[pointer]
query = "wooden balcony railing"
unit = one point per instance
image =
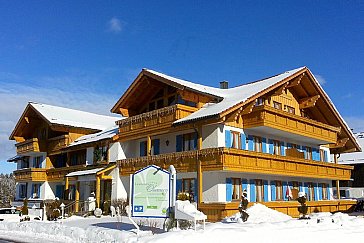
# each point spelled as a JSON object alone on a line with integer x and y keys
{"x": 237, "y": 160}
{"x": 57, "y": 143}
{"x": 277, "y": 119}
{"x": 30, "y": 174}
{"x": 152, "y": 121}
{"x": 58, "y": 174}
{"x": 29, "y": 145}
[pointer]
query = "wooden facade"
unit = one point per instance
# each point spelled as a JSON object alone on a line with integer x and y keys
{"x": 31, "y": 174}
{"x": 29, "y": 145}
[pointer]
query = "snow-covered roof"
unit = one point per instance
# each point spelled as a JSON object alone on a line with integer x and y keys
{"x": 85, "y": 172}
{"x": 236, "y": 95}
{"x": 356, "y": 157}
{"x": 74, "y": 118}
{"x": 105, "y": 134}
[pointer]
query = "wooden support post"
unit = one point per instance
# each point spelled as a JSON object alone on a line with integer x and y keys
{"x": 199, "y": 168}
{"x": 98, "y": 190}
{"x": 337, "y": 181}
{"x": 77, "y": 196}
{"x": 149, "y": 146}
{"x": 66, "y": 187}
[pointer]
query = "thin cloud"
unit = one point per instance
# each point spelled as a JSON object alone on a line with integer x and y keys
{"x": 320, "y": 79}
{"x": 356, "y": 123}
{"x": 115, "y": 25}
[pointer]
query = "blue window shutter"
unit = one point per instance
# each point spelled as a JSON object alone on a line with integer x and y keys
{"x": 273, "y": 190}
{"x": 32, "y": 191}
{"x": 59, "y": 191}
{"x": 285, "y": 191}
{"x": 320, "y": 192}
{"x": 283, "y": 152}
{"x": 252, "y": 191}
{"x": 271, "y": 148}
{"x": 328, "y": 191}
{"x": 195, "y": 191}
{"x": 178, "y": 186}
{"x": 156, "y": 143}
{"x": 228, "y": 142}
{"x": 243, "y": 141}
{"x": 141, "y": 149}
{"x": 266, "y": 199}
{"x": 326, "y": 156}
{"x": 264, "y": 145}
{"x": 316, "y": 192}
{"x": 179, "y": 142}
{"x": 195, "y": 136}
{"x": 229, "y": 190}
{"x": 304, "y": 151}
{"x": 302, "y": 189}
{"x": 315, "y": 154}
{"x": 244, "y": 184}
{"x": 299, "y": 147}
{"x": 38, "y": 191}
{"x": 250, "y": 143}
{"x": 289, "y": 145}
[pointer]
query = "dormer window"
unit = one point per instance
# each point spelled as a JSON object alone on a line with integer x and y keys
{"x": 277, "y": 105}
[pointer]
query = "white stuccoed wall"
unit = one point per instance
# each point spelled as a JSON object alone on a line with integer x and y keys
{"x": 116, "y": 152}
{"x": 118, "y": 190}
{"x": 46, "y": 191}
{"x": 214, "y": 189}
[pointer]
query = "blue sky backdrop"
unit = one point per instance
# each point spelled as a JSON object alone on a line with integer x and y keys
{"x": 84, "y": 54}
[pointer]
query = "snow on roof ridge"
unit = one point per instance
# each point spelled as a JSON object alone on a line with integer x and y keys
{"x": 75, "y": 118}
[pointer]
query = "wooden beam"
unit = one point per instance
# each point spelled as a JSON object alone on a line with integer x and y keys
{"x": 124, "y": 112}
{"x": 308, "y": 102}
{"x": 149, "y": 146}
{"x": 339, "y": 144}
{"x": 248, "y": 109}
{"x": 280, "y": 90}
{"x": 98, "y": 191}
{"x": 77, "y": 196}
{"x": 26, "y": 118}
{"x": 295, "y": 81}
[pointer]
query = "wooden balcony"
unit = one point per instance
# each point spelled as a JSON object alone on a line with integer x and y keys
{"x": 29, "y": 145}
{"x": 224, "y": 159}
{"x": 153, "y": 121}
{"x": 30, "y": 174}
{"x": 58, "y": 174}
{"x": 57, "y": 143}
{"x": 266, "y": 116}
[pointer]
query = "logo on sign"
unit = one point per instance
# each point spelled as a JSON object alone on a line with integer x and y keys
{"x": 138, "y": 209}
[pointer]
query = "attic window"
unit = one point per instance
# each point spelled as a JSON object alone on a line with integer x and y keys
{"x": 277, "y": 105}
{"x": 260, "y": 101}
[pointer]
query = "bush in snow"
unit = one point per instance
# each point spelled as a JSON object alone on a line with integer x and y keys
{"x": 122, "y": 204}
{"x": 24, "y": 209}
{"x": 106, "y": 205}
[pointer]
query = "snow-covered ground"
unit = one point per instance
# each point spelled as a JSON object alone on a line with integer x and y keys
{"x": 263, "y": 225}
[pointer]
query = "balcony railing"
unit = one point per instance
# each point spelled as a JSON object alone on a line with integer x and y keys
{"x": 57, "y": 143}
{"x": 237, "y": 160}
{"x": 58, "y": 174}
{"x": 277, "y": 119}
{"x": 30, "y": 174}
{"x": 29, "y": 145}
{"x": 153, "y": 120}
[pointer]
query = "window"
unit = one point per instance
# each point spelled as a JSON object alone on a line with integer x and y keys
{"x": 143, "y": 148}
{"x": 311, "y": 192}
{"x": 37, "y": 161}
{"x": 100, "y": 153}
{"x": 276, "y": 147}
{"x": 277, "y": 105}
{"x": 323, "y": 155}
{"x": 78, "y": 157}
{"x": 188, "y": 185}
{"x": 308, "y": 153}
{"x": 23, "y": 190}
{"x": 279, "y": 191}
{"x": 257, "y": 143}
{"x": 260, "y": 101}
{"x": 259, "y": 190}
{"x": 189, "y": 141}
{"x": 35, "y": 190}
{"x": 236, "y": 140}
{"x": 24, "y": 163}
{"x": 290, "y": 109}
{"x": 236, "y": 183}
{"x": 324, "y": 191}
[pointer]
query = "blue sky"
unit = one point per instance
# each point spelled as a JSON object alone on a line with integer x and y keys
{"x": 84, "y": 54}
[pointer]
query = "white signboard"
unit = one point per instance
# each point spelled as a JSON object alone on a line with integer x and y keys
{"x": 150, "y": 192}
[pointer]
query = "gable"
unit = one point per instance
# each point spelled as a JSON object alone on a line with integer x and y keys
{"x": 152, "y": 90}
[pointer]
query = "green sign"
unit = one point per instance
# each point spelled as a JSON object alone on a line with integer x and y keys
{"x": 150, "y": 192}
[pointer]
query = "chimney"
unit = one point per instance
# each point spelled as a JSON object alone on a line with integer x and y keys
{"x": 224, "y": 84}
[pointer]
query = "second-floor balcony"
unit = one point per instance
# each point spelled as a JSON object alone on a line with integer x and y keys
{"x": 225, "y": 159}
{"x": 57, "y": 143}
{"x": 152, "y": 121}
{"x": 29, "y": 145}
{"x": 293, "y": 125}
{"x": 58, "y": 174}
{"x": 30, "y": 174}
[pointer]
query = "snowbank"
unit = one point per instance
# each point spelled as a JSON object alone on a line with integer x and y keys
{"x": 258, "y": 213}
